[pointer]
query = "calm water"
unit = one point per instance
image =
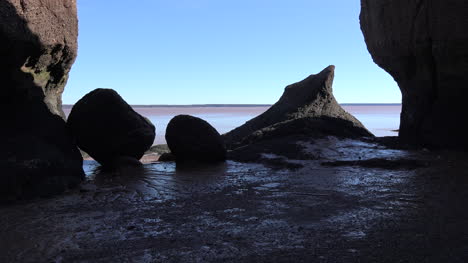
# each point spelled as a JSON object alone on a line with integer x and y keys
{"x": 381, "y": 120}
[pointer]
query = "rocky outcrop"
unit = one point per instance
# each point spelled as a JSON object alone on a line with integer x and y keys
{"x": 313, "y": 127}
{"x": 37, "y": 49}
{"x": 193, "y": 139}
{"x": 424, "y": 46}
{"x": 306, "y": 108}
{"x": 109, "y": 130}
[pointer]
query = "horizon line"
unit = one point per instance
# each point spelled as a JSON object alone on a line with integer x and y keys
{"x": 236, "y": 105}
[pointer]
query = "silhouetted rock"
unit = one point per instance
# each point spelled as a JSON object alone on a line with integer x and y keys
{"x": 38, "y": 42}
{"x": 193, "y": 139}
{"x": 108, "y": 129}
{"x": 167, "y": 157}
{"x": 424, "y": 46}
{"x": 308, "y": 108}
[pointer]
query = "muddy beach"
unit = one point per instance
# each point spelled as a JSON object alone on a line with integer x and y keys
{"x": 251, "y": 213}
{"x": 306, "y": 179}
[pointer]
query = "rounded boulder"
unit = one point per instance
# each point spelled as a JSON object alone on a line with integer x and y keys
{"x": 193, "y": 139}
{"x": 108, "y": 129}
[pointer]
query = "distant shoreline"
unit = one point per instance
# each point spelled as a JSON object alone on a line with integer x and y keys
{"x": 68, "y": 106}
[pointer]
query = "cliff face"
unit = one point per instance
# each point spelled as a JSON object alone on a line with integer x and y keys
{"x": 38, "y": 43}
{"x": 424, "y": 46}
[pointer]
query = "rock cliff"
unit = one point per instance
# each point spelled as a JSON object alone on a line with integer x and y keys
{"x": 38, "y": 45}
{"x": 424, "y": 46}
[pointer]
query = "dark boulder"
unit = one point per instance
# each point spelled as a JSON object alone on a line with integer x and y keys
{"x": 193, "y": 139}
{"x": 424, "y": 46}
{"x": 167, "y": 157}
{"x": 38, "y": 42}
{"x": 108, "y": 129}
{"x": 306, "y": 108}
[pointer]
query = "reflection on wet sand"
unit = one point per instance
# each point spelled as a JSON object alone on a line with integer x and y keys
{"x": 247, "y": 212}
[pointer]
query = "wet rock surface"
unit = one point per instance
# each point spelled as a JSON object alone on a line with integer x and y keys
{"x": 236, "y": 212}
{"x": 284, "y": 139}
{"x": 423, "y": 45}
{"x": 37, "y": 49}
{"x": 109, "y": 130}
{"x": 307, "y": 107}
{"x": 192, "y": 139}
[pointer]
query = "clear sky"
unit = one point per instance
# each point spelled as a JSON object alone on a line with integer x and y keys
{"x": 222, "y": 51}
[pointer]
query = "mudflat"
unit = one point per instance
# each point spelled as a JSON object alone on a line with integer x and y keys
{"x": 375, "y": 204}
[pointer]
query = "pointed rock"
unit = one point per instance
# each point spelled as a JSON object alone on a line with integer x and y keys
{"x": 304, "y": 105}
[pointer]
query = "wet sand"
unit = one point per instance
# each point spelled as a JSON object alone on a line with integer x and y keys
{"x": 249, "y": 213}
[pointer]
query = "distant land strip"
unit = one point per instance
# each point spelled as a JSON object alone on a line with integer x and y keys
{"x": 68, "y": 106}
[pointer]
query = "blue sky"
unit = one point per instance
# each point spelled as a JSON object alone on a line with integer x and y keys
{"x": 222, "y": 51}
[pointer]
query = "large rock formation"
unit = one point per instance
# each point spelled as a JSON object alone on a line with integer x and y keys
{"x": 192, "y": 139}
{"x": 38, "y": 48}
{"x": 38, "y": 42}
{"x": 307, "y": 107}
{"x": 424, "y": 46}
{"x": 109, "y": 130}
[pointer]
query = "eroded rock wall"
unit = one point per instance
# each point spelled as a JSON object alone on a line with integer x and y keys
{"x": 38, "y": 41}
{"x": 38, "y": 45}
{"x": 423, "y": 44}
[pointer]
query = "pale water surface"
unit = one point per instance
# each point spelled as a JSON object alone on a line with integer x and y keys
{"x": 381, "y": 120}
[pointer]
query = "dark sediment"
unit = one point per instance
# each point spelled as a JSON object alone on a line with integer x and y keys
{"x": 245, "y": 212}
{"x": 404, "y": 164}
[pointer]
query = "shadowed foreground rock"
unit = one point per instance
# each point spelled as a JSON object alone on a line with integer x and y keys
{"x": 38, "y": 42}
{"x": 109, "y": 130}
{"x": 193, "y": 139}
{"x": 424, "y": 46}
{"x": 309, "y": 102}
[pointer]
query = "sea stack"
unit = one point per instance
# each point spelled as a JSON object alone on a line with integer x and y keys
{"x": 109, "y": 130}
{"x": 424, "y": 46}
{"x": 307, "y": 107}
{"x": 38, "y": 45}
